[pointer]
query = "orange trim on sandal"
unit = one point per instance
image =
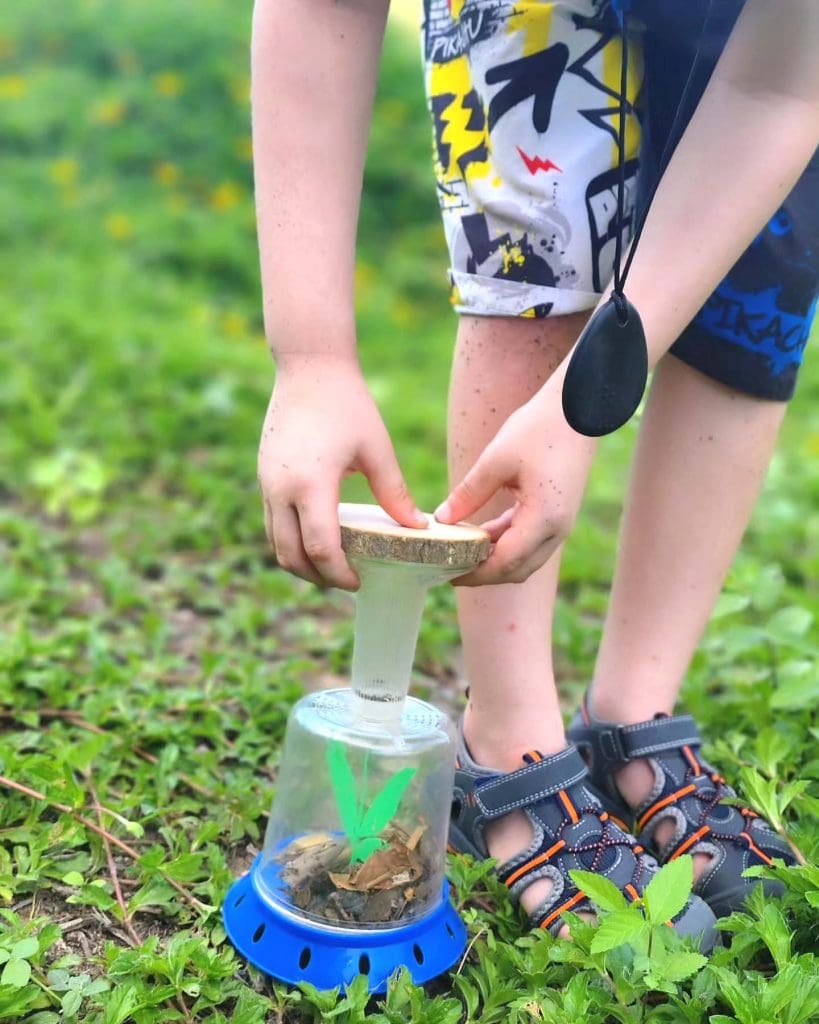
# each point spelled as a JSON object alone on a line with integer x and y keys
{"x": 664, "y": 803}
{"x": 629, "y": 888}
{"x": 566, "y": 800}
{"x": 566, "y": 906}
{"x": 535, "y": 755}
{"x": 756, "y": 849}
{"x": 692, "y": 760}
{"x": 690, "y": 841}
{"x": 535, "y": 862}
{"x": 620, "y": 823}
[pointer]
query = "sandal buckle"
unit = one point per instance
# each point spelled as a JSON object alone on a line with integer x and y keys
{"x": 611, "y": 744}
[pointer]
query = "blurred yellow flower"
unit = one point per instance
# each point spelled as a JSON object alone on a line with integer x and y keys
{"x": 240, "y": 88}
{"x": 392, "y": 110}
{"x": 166, "y": 173}
{"x": 233, "y": 324}
{"x": 365, "y": 278}
{"x": 225, "y": 196}
{"x": 108, "y": 111}
{"x": 243, "y": 148}
{"x": 119, "y": 226}
{"x": 402, "y": 313}
{"x": 12, "y": 87}
{"x": 168, "y": 83}
{"x": 64, "y": 170}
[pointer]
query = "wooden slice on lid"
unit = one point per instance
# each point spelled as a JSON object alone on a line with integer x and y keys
{"x": 368, "y": 532}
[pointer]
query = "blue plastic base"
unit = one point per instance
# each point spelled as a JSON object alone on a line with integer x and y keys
{"x": 291, "y": 949}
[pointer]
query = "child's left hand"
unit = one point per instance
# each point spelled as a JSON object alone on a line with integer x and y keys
{"x": 539, "y": 458}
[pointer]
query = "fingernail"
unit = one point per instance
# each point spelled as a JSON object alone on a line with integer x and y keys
{"x": 420, "y": 518}
{"x": 443, "y": 511}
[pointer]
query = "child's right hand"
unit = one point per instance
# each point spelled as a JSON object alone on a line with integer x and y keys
{"x": 321, "y": 425}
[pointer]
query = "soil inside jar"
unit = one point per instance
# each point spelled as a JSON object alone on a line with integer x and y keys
{"x": 392, "y": 885}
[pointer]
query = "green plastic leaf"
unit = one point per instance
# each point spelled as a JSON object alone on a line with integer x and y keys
{"x": 385, "y": 803}
{"x": 364, "y": 848}
{"x": 625, "y": 926}
{"x": 668, "y": 891}
{"x": 601, "y": 891}
{"x": 16, "y": 973}
{"x": 345, "y": 789}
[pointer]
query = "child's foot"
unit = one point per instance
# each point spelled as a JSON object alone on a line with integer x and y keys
{"x": 551, "y": 823}
{"x": 652, "y": 774}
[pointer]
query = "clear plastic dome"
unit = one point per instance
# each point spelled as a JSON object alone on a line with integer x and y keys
{"x": 358, "y": 832}
{"x": 357, "y": 836}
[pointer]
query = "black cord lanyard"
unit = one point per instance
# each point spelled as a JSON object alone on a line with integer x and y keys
{"x": 608, "y": 369}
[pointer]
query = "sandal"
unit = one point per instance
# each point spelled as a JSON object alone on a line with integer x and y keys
{"x": 688, "y": 791}
{"x": 571, "y": 831}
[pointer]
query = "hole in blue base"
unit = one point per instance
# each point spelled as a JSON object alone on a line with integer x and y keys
{"x": 418, "y": 953}
{"x": 449, "y": 930}
{"x": 236, "y": 904}
{"x": 364, "y": 964}
{"x": 258, "y": 933}
{"x": 304, "y": 959}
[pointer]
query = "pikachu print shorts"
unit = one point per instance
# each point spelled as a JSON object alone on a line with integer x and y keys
{"x": 525, "y": 105}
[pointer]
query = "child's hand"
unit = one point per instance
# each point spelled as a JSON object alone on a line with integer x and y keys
{"x": 322, "y": 424}
{"x": 544, "y": 463}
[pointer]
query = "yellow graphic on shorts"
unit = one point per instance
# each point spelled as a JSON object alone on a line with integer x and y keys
{"x": 461, "y": 136}
{"x": 534, "y": 20}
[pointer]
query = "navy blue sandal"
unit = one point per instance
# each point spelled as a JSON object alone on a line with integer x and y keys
{"x": 572, "y": 830}
{"x": 688, "y": 791}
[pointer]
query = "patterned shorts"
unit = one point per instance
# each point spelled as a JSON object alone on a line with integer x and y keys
{"x": 524, "y": 99}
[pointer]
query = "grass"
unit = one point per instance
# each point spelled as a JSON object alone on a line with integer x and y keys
{"x": 151, "y": 650}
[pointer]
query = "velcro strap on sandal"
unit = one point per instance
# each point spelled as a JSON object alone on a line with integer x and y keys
{"x": 526, "y": 786}
{"x": 624, "y": 742}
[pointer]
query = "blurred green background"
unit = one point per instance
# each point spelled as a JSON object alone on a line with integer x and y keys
{"x": 136, "y": 592}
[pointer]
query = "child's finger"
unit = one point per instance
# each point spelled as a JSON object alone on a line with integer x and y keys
{"x": 522, "y": 549}
{"x": 389, "y": 487}
{"x": 290, "y": 553}
{"x": 321, "y": 539}
{"x": 472, "y": 493}
{"x": 500, "y": 524}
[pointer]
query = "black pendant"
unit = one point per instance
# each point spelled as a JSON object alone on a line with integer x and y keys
{"x": 607, "y": 372}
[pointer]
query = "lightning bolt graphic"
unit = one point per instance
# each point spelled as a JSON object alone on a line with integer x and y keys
{"x": 460, "y": 134}
{"x": 536, "y": 163}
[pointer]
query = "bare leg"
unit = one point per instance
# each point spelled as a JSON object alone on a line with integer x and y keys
{"x": 499, "y": 364}
{"x": 701, "y": 459}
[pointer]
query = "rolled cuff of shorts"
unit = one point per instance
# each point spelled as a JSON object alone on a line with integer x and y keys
{"x": 475, "y": 295}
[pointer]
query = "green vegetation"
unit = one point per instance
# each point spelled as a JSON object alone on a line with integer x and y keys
{"x": 149, "y": 649}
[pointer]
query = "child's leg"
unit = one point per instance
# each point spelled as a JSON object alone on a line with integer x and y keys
{"x": 701, "y": 458}
{"x": 499, "y": 364}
